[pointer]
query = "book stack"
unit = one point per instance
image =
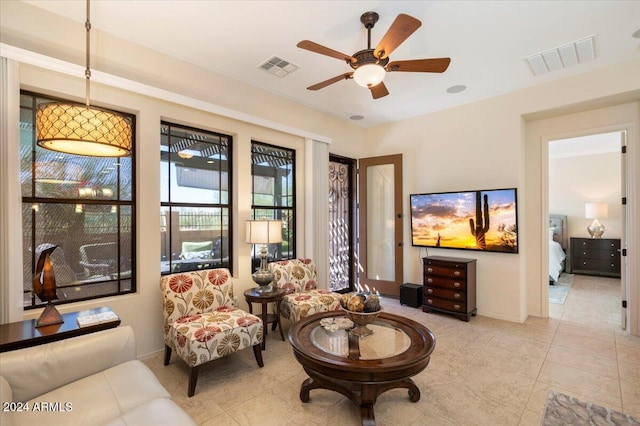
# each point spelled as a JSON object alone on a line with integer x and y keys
{"x": 99, "y": 318}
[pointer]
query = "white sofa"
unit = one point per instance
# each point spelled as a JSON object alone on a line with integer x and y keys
{"x": 93, "y": 379}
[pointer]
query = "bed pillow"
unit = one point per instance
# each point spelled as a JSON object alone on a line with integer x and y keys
{"x": 551, "y": 230}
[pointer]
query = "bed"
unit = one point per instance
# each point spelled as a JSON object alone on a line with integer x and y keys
{"x": 558, "y": 243}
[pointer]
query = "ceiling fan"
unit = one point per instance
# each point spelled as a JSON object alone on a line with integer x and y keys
{"x": 371, "y": 65}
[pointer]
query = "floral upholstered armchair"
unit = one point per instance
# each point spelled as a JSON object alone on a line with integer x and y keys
{"x": 201, "y": 322}
{"x": 298, "y": 278}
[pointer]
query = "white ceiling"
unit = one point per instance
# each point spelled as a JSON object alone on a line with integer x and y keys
{"x": 487, "y": 42}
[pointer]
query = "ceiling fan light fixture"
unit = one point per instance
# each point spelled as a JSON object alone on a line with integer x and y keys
{"x": 369, "y": 75}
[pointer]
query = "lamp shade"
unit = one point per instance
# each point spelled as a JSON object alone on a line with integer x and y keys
{"x": 369, "y": 75}
{"x": 596, "y": 210}
{"x": 82, "y": 130}
{"x": 264, "y": 231}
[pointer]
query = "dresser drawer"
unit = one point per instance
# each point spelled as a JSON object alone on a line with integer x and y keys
{"x": 449, "y": 305}
{"x": 598, "y": 265}
{"x": 459, "y": 296}
{"x": 596, "y": 244}
{"x": 444, "y": 271}
{"x": 430, "y": 280}
{"x": 596, "y": 254}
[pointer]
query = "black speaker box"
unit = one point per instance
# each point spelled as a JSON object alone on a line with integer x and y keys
{"x": 411, "y": 295}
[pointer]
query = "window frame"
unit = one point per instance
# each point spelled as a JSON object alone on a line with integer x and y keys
{"x": 291, "y": 240}
{"x": 169, "y": 205}
{"x": 125, "y": 279}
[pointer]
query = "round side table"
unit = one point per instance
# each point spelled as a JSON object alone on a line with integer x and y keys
{"x": 252, "y": 296}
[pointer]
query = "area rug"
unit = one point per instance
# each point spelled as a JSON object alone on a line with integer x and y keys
{"x": 563, "y": 410}
{"x": 559, "y": 291}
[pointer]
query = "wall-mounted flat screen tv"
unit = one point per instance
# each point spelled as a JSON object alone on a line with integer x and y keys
{"x": 484, "y": 220}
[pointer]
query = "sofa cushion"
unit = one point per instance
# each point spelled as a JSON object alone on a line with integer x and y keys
{"x": 97, "y": 399}
{"x": 161, "y": 411}
{"x": 34, "y": 371}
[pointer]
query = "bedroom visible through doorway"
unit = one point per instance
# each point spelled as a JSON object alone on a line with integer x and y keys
{"x": 586, "y": 184}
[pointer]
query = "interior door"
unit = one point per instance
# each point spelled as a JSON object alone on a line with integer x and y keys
{"x": 380, "y": 224}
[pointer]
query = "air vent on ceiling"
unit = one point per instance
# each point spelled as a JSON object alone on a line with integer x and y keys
{"x": 278, "y": 67}
{"x": 564, "y": 56}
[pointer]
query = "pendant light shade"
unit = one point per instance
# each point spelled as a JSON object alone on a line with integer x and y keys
{"x": 82, "y": 130}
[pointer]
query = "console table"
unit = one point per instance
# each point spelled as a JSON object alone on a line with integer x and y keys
{"x": 24, "y": 334}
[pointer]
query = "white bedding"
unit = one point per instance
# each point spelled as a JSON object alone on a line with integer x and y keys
{"x": 556, "y": 256}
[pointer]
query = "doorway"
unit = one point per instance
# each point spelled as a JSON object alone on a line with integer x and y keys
{"x": 342, "y": 223}
{"x": 586, "y": 175}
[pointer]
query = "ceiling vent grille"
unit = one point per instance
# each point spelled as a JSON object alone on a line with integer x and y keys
{"x": 564, "y": 56}
{"x": 277, "y": 66}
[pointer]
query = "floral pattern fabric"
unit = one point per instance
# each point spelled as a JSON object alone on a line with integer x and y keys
{"x": 201, "y": 322}
{"x": 298, "y": 278}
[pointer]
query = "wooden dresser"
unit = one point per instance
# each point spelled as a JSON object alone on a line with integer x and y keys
{"x": 599, "y": 256}
{"x": 450, "y": 286}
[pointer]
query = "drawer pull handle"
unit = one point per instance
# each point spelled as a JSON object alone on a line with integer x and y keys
{"x": 584, "y": 252}
{"x": 429, "y": 290}
{"x": 430, "y": 280}
{"x": 429, "y": 269}
{"x": 429, "y": 301}
{"x": 456, "y": 295}
{"x": 456, "y": 273}
{"x": 613, "y": 254}
{"x": 456, "y": 284}
{"x": 456, "y": 306}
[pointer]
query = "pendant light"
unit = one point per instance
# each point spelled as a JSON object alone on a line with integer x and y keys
{"x": 83, "y": 130}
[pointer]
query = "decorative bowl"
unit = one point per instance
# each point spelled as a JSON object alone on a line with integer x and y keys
{"x": 361, "y": 320}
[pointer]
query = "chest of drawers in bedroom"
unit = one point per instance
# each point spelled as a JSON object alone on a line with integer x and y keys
{"x": 449, "y": 286}
{"x": 595, "y": 256}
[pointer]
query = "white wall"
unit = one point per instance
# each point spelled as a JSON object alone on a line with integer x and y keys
{"x": 574, "y": 181}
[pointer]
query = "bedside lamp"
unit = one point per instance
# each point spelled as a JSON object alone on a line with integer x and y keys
{"x": 263, "y": 232}
{"x": 596, "y": 211}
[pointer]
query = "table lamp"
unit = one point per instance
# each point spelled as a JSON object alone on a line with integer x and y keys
{"x": 596, "y": 211}
{"x": 263, "y": 232}
{"x": 44, "y": 286}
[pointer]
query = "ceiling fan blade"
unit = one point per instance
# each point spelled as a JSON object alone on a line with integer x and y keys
{"x": 399, "y": 31}
{"x": 336, "y": 79}
{"x": 379, "y": 90}
{"x": 317, "y": 48}
{"x": 420, "y": 65}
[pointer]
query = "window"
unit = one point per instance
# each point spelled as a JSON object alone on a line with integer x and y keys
{"x": 85, "y": 206}
{"x": 195, "y": 209}
{"x": 273, "y": 196}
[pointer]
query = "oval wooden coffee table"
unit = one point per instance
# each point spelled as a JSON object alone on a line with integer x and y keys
{"x": 362, "y": 368}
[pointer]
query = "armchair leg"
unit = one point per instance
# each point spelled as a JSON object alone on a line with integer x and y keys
{"x": 193, "y": 379}
{"x": 257, "y": 351}
{"x": 167, "y": 354}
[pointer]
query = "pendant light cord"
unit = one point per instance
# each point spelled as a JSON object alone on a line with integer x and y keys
{"x": 87, "y": 71}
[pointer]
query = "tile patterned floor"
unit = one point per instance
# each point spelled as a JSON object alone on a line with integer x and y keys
{"x": 485, "y": 372}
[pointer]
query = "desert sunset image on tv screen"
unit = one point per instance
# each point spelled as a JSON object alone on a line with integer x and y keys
{"x": 473, "y": 220}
